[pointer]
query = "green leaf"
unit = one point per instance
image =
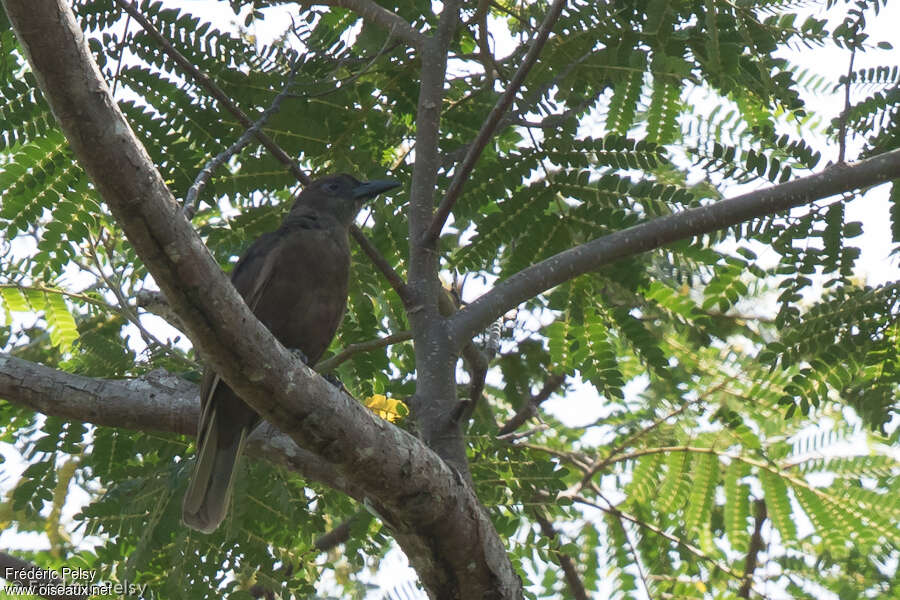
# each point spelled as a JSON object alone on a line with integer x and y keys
{"x": 778, "y": 504}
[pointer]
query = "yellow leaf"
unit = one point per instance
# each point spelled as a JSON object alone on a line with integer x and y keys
{"x": 388, "y": 409}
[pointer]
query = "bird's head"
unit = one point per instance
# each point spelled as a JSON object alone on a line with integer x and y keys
{"x": 341, "y": 195}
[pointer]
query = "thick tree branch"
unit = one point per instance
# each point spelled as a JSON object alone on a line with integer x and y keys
{"x": 489, "y": 127}
{"x": 435, "y": 516}
{"x": 428, "y": 121}
{"x": 372, "y": 12}
{"x": 434, "y": 404}
{"x": 659, "y": 232}
{"x": 158, "y": 401}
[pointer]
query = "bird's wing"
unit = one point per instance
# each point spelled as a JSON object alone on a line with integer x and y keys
{"x": 250, "y": 277}
{"x": 253, "y": 272}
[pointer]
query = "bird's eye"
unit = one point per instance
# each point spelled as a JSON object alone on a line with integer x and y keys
{"x": 333, "y": 186}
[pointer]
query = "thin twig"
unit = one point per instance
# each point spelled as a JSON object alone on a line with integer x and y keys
{"x": 519, "y": 435}
{"x": 602, "y": 463}
{"x": 331, "y": 363}
{"x": 372, "y": 12}
{"x": 610, "y": 509}
{"x": 381, "y": 263}
{"x": 125, "y": 309}
{"x": 516, "y": 118}
{"x": 489, "y": 127}
{"x": 845, "y": 114}
{"x": 523, "y": 22}
{"x": 121, "y": 51}
{"x": 192, "y": 198}
{"x": 529, "y": 409}
{"x": 577, "y": 459}
{"x": 637, "y": 557}
{"x": 74, "y": 295}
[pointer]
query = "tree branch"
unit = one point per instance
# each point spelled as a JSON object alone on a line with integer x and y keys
{"x": 370, "y": 11}
{"x": 157, "y": 401}
{"x": 192, "y": 198}
{"x": 602, "y": 463}
{"x": 331, "y": 363}
{"x": 659, "y": 232}
{"x": 570, "y": 572}
{"x": 529, "y": 409}
{"x": 611, "y": 509}
{"x": 489, "y": 127}
{"x": 382, "y": 265}
{"x": 434, "y": 404}
{"x": 435, "y": 517}
{"x": 756, "y": 546}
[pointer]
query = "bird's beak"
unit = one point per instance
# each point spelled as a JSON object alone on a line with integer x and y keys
{"x": 370, "y": 189}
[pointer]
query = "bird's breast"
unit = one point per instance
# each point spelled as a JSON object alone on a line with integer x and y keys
{"x": 304, "y": 301}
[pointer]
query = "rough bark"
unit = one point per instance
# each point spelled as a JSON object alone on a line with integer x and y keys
{"x": 158, "y": 401}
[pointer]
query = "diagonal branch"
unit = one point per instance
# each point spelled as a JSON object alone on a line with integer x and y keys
{"x": 331, "y": 363}
{"x": 529, "y": 409}
{"x": 370, "y": 11}
{"x": 381, "y": 263}
{"x": 192, "y": 198}
{"x": 462, "y": 172}
{"x": 571, "y": 263}
{"x": 611, "y": 509}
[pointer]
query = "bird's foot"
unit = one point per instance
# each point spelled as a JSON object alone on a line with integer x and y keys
{"x": 300, "y": 355}
{"x": 333, "y": 380}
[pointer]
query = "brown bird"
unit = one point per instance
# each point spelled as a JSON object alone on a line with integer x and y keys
{"x": 294, "y": 279}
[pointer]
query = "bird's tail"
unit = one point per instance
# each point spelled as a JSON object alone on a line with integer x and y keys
{"x": 209, "y": 491}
